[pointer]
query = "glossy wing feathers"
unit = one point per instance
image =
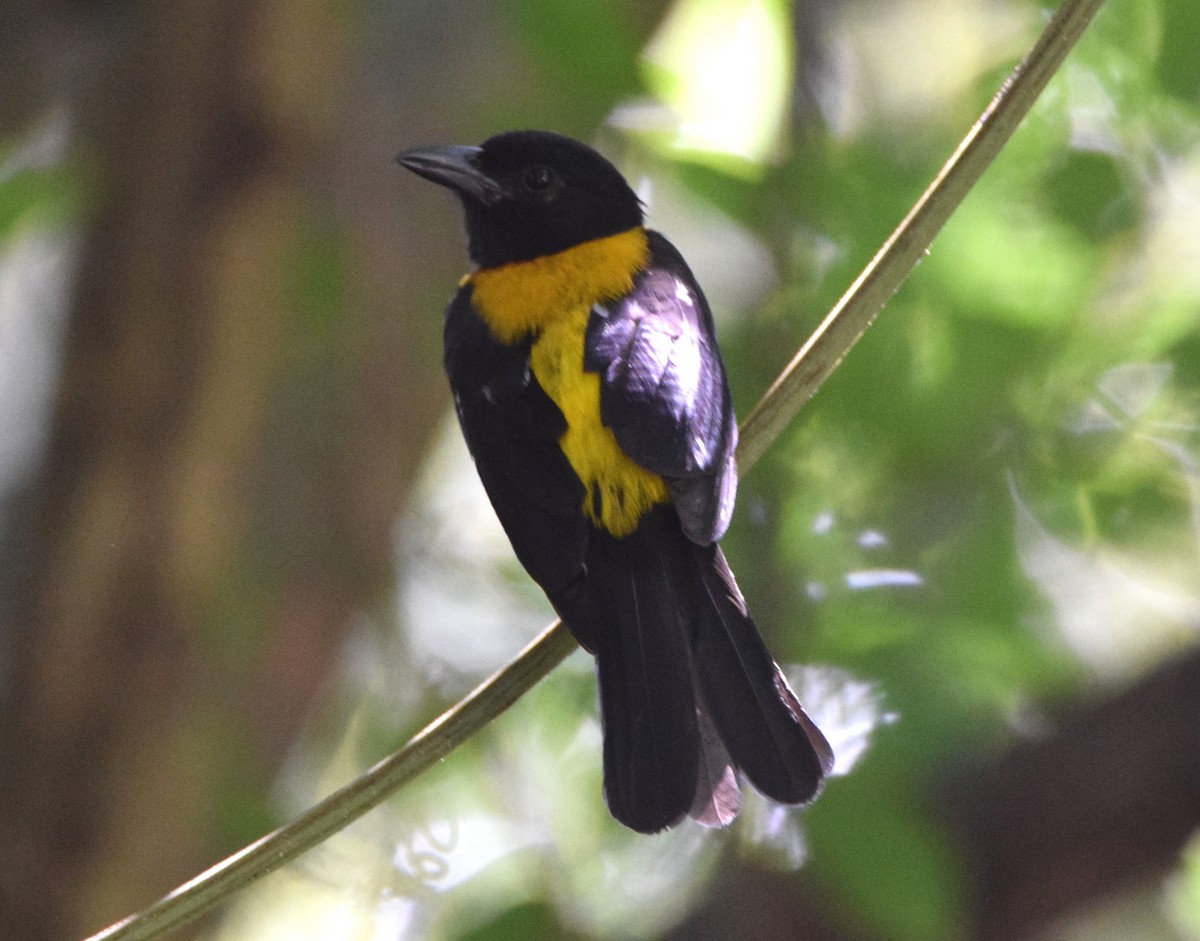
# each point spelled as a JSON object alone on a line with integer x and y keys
{"x": 663, "y": 390}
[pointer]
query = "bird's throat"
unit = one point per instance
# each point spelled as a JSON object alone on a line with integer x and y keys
{"x": 525, "y": 297}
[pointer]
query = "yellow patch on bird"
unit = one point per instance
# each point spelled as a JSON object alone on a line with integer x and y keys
{"x": 552, "y": 299}
{"x": 527, "y": 296}
{"x": 619, "y": 491}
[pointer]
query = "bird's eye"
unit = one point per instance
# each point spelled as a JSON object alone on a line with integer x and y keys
{"x": 539, "y": 178}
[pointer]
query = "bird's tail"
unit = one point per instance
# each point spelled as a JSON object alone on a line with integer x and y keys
{"x": 761, "y": 723}
{"x": 689, "y": 694}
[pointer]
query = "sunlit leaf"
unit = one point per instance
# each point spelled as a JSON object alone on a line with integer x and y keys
{"x": 723, "y": 69}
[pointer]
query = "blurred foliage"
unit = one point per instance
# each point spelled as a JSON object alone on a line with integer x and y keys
{"x": 991, "y": 511}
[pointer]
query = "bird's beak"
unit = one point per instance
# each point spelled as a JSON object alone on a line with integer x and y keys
{"x": 456, "y": 167}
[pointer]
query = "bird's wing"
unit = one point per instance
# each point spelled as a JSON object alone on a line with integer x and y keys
{"x": 663, "y": 390}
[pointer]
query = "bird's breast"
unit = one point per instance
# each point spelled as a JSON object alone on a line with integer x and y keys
{"x": 551, "y": 299}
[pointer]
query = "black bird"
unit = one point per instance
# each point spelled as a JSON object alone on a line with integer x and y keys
{"x": 588, "y": 384}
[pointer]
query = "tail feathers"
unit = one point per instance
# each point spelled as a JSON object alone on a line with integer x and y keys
{"x": 718, "y": 794}
{"x": 689, "y": 695}
{"x": 762, "y": 724}
{"x": 647, "y": 703}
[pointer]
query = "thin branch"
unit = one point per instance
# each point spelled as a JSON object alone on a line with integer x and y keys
{"x": 798, "y": 383}
{"x": 859, "y": 306}
{"x": 343, "y": 806}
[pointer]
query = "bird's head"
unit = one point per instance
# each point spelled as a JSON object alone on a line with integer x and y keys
{"x": 529, "y": 193}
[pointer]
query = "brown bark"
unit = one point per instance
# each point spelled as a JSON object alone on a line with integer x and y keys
{"x": 1103, "y": 806}
{"x": 146, "y": 621}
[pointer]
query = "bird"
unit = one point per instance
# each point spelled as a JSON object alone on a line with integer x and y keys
{"x": 587, "y": 381}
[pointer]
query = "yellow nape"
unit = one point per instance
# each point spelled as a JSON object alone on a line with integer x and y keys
{"x": 619, "y": 492}
{"x": 526, "y": 297}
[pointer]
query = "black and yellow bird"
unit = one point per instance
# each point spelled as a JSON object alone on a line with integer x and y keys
{"x": 585, "y": 371}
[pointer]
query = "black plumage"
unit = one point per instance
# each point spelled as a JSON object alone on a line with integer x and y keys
{"x": 591, "y": 393}
{"x": 663, "y": 390}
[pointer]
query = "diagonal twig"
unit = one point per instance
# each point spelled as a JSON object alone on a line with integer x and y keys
{"x": 815, "y": 362}
{"x": 880, "y": 279}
